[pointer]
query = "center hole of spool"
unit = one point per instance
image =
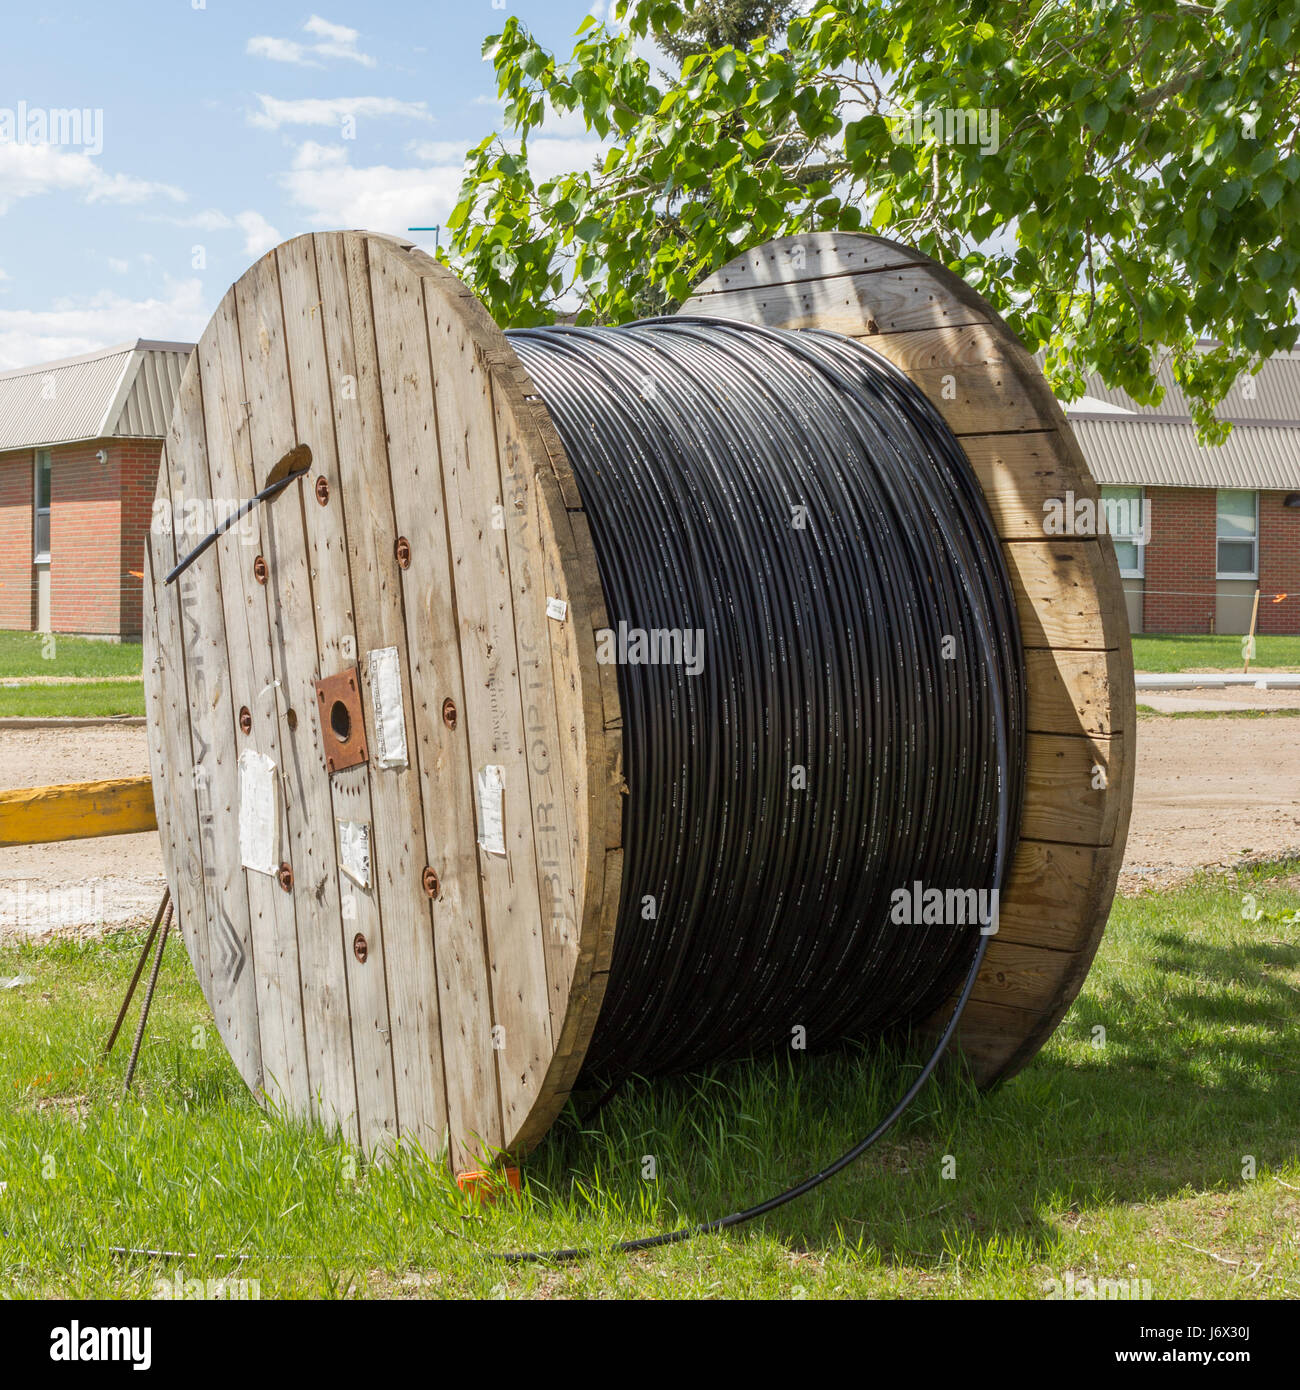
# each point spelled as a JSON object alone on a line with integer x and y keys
{"x": 340, "y": 721}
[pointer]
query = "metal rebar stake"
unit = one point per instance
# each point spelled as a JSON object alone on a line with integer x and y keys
{"x": 139, "y": 968}
{"x": 148, "y": 1000}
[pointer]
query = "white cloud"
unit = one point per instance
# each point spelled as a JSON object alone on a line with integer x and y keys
{"x": 80, "y": 324}
{"x": 336, "y": 33}
{"x": 279, "y": 51}
{"x": 27, "y": 171}
{"x": 548, "y": 155}
{"x": 332, "y": 111}
{"x": 438, "y": 151}
{"x": 259, "y": 235}
{"x": 337, "y": 41}
{"x": 332, "y": 193}
{"x": 331, "y": 41}
{"x": 120, "y": 266}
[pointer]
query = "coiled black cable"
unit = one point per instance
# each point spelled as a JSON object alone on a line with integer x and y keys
{"x": 791, "y": 512}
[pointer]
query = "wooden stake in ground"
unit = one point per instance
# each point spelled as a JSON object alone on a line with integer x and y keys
{"x": 1250, "y": 638}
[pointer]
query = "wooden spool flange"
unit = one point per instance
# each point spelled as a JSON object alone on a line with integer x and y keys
{"x": 454, "y": 994}
{"x": 448, "y": 997}
{"x": 1079, "y": 661}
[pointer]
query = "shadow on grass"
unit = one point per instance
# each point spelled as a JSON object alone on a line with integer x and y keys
{"x": 1200, "y": 1068}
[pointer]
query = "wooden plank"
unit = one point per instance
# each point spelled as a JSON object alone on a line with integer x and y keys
{"x": 1024, "y": 477}
{"x": 805, "y": 256}
{"x": 294, "y": 665}
{"x": 946, "y": 348}
{"x": 171, "y": 760}
{"x": 1027, "y": 976}
{"x": 558, "y": 856}
{"x": 76, "y": 811}
{"x": 1067, "y": 786}
{"x": 1072, "y": 692}
{"x": 1044, "y": 879}
{"x": 997, "y": 1039}
{"x": 585, "y": 745}
{"x": 317, "y": 376}
{"x": 493, "y": 714}
{"x": 968, "y": 374}
{"x": 441, "y": 754}
{"x": 250, "y": 685}
{"x": 1056, "y": 585}
{"x": 890, "y": 299}
{"x": 398, "y": 848}
{"x": 206, "y": 720}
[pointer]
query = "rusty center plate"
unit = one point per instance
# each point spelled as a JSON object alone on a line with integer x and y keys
{"x": 343, "y": 728}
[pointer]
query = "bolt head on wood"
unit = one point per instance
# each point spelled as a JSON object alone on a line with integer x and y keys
{"x": 245, "y": 720}
{"x": 359, "y": 948}
{"x": 323, "y": 491}
{"x": 260, "y": 571}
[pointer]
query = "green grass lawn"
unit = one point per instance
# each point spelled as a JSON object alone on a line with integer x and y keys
{"x": 34, "y": 654}
{"x": 98, "y": 699}
{"x": 1121, "y": 1161}
{"x": 1177, "y": 652}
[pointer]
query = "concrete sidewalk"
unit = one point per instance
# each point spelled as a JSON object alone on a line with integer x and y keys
{"x": 1218, "y": 680}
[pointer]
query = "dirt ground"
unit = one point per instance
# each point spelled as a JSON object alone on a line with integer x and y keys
{"x": 76, "y": 882}
{"x": 1210, "y": 792}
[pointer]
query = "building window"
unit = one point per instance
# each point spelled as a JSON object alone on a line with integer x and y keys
{"x": 1125, "y": 520}
{"x": 1237, "y": 534}
{"x": 41, "y": 540}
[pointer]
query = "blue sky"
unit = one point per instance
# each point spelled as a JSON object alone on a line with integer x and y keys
{"x": 225, "y": 128}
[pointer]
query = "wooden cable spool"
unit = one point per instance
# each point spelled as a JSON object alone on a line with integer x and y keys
{"x": 380, "y": 969}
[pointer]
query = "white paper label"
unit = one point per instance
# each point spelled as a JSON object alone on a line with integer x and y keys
{"x": 492, "y": 809}
{"x": 386, "y": 696}
{"x": 556, "y": 608}
{"x": 354, "y": 851}
{"x": 259, "y": 840}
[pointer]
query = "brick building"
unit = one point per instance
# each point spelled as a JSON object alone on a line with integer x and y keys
{"x": 80, "y": 441}
{"x": 1221, "y": 522}
{"x": 79, "y": 446}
